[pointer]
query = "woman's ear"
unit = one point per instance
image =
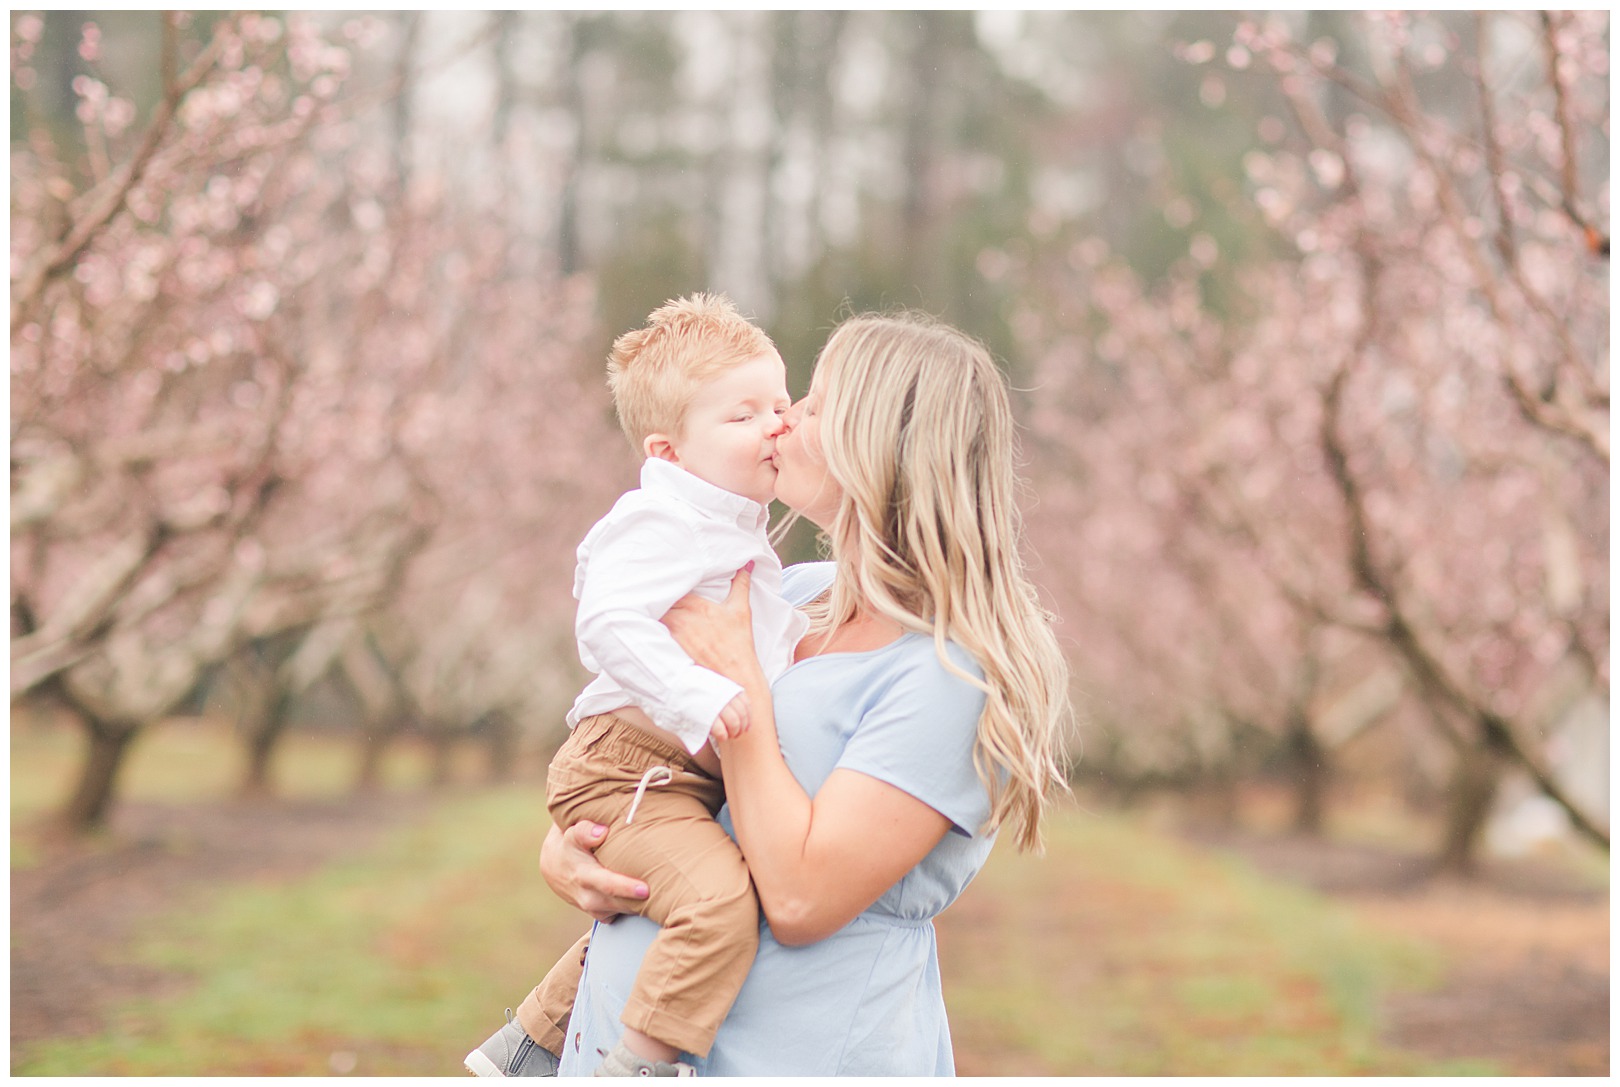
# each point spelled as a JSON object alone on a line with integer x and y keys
{"x": 658, "y": 446}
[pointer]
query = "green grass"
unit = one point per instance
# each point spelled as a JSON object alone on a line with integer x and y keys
{"x": 397, "y": 962}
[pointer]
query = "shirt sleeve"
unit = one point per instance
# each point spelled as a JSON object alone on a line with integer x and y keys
{"x": 641, "y": 563}
{"x": 919, "y": 737}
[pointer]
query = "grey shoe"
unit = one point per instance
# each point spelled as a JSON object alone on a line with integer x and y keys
{"x": 621, "y": 1062}
{"x": 511, "y": 1052}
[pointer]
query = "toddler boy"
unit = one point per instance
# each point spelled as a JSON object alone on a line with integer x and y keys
{"x": 701, "y": 392}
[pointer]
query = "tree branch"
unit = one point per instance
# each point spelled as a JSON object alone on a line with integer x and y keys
{"x": 1568, "y": 173}
{"x": 108, "y": 199}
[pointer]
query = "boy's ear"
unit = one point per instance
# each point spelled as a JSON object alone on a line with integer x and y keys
{"x": 659, "y": 446}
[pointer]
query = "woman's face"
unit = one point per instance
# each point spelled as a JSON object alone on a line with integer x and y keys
{"x": 803, "y": 483}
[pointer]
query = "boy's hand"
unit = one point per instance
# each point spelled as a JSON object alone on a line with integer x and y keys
{"x": 733, "y": 719}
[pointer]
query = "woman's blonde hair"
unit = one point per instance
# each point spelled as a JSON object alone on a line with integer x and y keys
{"x": 917, "y": 429}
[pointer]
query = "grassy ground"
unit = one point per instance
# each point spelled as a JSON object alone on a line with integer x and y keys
{"x": 1119, "y": 952}
{"x": 1124, "y": 952}
{"x": 396, "y": 962}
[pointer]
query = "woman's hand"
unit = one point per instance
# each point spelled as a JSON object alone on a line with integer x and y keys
{"x": 569, "y": 866}
{"x": 720, "y": 636}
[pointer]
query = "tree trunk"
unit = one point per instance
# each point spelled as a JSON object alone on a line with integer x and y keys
{"x": 1219, "y": 795}
{"x": 570, "y": 248}
{"x": 501, "y": 737}
{"x": 921, "y": 152}
{"x": 506, "y": 83}
{"x": 443, "y": 742}
{"x": 378, "y": 736}
{"x": 1469, "y": 796}
{"x": 410, "y": 27}
{"x": 1309, "y": 771}
{"x": 263, "y": 737}
{"x": 108, "y": 742}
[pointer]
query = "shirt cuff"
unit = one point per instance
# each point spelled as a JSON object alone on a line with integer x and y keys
{"x": 695, "y": 700}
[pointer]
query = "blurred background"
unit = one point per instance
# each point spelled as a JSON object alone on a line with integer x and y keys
{"x": 1307, "y": 317}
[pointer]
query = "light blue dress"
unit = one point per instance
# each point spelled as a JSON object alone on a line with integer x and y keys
{"x": 866, "y": 1000}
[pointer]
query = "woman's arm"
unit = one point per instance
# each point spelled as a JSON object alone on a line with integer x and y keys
{"x": 817, "y": 861}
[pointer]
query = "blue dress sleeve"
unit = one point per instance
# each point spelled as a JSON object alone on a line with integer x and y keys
{"x": 919, "y": 736}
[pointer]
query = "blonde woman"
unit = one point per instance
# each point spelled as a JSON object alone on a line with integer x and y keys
{"x": 921, "y": 715}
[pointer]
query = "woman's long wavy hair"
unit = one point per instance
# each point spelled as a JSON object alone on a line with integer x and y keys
{"x": 917, "y": 429}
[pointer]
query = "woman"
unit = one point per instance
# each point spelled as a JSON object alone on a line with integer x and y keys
{"x": 921, "y": 714}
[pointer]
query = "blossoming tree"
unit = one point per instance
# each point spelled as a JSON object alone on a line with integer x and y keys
{"x": 1398, "y": 458}
{"x": 254, "y": 378}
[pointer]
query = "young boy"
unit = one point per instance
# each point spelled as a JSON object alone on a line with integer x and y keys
{"x": 701, "y": 392}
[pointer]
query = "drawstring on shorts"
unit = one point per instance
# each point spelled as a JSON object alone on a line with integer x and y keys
{"x": 658, "y": 775}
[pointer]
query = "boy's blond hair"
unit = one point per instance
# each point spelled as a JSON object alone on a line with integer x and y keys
{"x": 654, "y": 372}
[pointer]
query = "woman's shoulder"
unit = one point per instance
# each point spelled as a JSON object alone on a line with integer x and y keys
{"x": 914, "y": 663}
{"x": 916, "y": 726}
{"x": 804, "y": 581}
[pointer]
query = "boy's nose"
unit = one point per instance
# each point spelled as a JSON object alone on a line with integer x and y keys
{"x": 778, "y": 424}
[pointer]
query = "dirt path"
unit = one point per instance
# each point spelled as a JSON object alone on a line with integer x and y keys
{"x": 1531, "y": 986}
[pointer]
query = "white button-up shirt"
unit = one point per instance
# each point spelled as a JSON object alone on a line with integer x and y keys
{"x": 675, "y": 535}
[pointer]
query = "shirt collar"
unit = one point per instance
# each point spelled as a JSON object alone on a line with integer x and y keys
{"x": 662, "y": 477}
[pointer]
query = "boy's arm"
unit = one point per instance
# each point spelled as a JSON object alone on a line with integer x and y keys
{"x": 631, "y": 572}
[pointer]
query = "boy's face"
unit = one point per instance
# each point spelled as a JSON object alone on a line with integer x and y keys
{"x": 729, "y": 434}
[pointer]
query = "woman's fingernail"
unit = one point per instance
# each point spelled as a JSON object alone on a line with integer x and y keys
{"x": 597, "y": 830}
{"x": 641, "y": 890}
{"x": 750, "y": 566}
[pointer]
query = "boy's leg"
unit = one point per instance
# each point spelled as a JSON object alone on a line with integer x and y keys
{"x": 699, "y": 888}
{"x": 700, "y": 892}
{"x": 544, "y": 1012}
